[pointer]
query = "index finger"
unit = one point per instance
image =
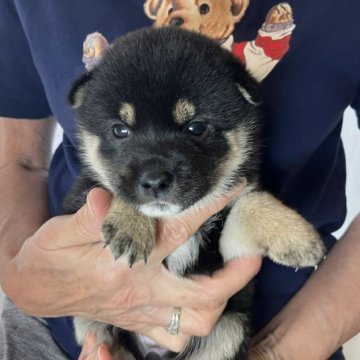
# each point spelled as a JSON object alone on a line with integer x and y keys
{"x": 173, "y": 231}
{"x": 235, "y": 275}
{"x": 207, "y": 292}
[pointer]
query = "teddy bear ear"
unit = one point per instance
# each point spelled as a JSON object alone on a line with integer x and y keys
{"x": 94, "y": 48}
{"x": 151, "y": 8}
{"x": 238, "y": 8}
{"x": 77, "y": 91}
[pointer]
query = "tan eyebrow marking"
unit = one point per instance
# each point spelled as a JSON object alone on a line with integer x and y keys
{"x": 127, "y": 113}
{"x": 183, "y": 111}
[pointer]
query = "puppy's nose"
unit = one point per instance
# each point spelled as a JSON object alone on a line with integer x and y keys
{"x": 177, "y": 21}
{"x": 156, "y": 183}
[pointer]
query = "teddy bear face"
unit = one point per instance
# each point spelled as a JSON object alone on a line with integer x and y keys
{"x": 213, "y": 18}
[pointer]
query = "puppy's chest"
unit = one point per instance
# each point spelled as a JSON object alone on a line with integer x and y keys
{"x": 199, "y": 254}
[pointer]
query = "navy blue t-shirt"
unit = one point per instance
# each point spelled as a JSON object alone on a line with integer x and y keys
{"x": 305, "y": 97}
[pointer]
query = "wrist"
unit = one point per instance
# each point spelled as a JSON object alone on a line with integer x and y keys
{"x": 300, "y": 339}
{"x": 305, "y": 329}
{"x": 23, "y": 209}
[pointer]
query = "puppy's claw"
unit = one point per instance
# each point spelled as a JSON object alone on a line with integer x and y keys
{"x": 136, "y": 246}
{"x": 299, "y": 254}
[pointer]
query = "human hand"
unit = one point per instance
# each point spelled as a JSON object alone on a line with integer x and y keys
{"x": 64, "y": 269}
{"x": 264, "y": 350}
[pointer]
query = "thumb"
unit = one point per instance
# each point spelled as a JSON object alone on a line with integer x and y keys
{"x": 174, "y": 231}
{"x": 264, "y": 350}
{"x": 81, "y": 228}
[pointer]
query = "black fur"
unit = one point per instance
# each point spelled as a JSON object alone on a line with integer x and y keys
{"x": 151, "y": 69}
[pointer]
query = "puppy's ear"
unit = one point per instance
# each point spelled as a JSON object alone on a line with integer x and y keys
{"x": 76, "y": 94}
{"x": 249, "y": 89}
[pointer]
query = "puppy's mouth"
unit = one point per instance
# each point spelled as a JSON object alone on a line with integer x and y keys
{"x": 160, "y": 209}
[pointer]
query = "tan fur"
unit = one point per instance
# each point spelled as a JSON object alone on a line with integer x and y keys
{"x": 217, "y": 24}
{"x": 223, "y": 341}
{"x": 267, "y": 226}
{"x": 127, "y": 113}
{"x": 238, "y": 144}
{"x": 90, "y": 145}
{"x": 127, "y": 230}
{"x": 183, "y": 111}
{"x": 78, "y": 97}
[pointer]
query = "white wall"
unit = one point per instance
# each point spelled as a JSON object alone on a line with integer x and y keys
{"x": 351, "y": 137}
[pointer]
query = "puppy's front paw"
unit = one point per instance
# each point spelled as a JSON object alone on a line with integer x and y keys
{"x": 136, "y": 242}
{"x": 259, "y": 223}
{"x": 299, "y": 246}
{"x": 129, "y": 233}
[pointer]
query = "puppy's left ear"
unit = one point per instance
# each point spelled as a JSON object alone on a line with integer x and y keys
{"x": 77, "y": 92}
{"x": 249, "y": 89}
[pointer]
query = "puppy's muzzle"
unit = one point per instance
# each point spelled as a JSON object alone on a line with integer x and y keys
{"x": 155, "y": 184}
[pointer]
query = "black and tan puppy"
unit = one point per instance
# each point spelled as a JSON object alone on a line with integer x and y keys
{"x": 169, "y": 119}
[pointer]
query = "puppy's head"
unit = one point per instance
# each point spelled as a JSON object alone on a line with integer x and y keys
{"x": 166, "y": 119}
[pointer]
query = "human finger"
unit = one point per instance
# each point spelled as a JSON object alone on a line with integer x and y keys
{"x": 235, "y": 274}
{"x": 89, "y": 347}
{"x": 91, "y": 350}
{"x": 192, "y": 322}
{"x": 175, "y": 343}
{"x": 207, "y": 292}
{"x": 200, "y": 292}
{"x": 173, "y": 231}
{"x": 83, "y": 227}
{"x": 103, "y": 353}
{"x": 264, "y": 349}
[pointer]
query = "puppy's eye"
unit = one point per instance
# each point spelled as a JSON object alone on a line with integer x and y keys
{"x": 120, "y": 131}
{"x": 204, "y": 9}
{"x": 198, "y": 128}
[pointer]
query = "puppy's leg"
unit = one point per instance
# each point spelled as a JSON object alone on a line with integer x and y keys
{"x": 128, "y": 232}
{"x": 259, "y": 223}
{"x": 104, "y": 334}
{"x": 227, "y": 341}
{"x": 83, "y": 326}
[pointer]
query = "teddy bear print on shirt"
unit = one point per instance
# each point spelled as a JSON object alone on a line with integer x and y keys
{"x": 217, "y": 19}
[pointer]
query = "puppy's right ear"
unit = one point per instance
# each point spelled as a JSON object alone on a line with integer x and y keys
{"x": 77, "y": 92}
